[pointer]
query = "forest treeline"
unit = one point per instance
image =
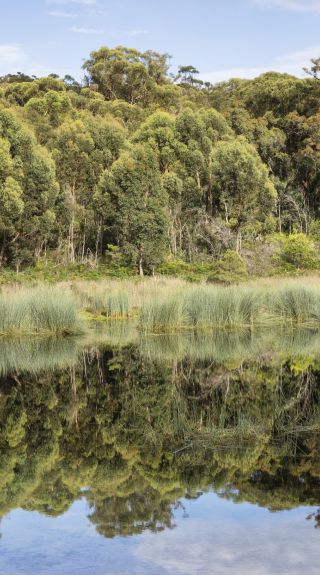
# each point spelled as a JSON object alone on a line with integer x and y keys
{"x": 137, "y": 168}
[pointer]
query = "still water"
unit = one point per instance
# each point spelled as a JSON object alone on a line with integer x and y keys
{"x": 163, "y": 455}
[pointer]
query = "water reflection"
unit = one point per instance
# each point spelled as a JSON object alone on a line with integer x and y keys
{"x": 143, "y": 430}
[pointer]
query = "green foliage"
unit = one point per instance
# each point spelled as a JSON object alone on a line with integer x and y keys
{"x": 126, "y": 74}
{"x": 296, "y": 251}
{"x": 229, "y": 269}
{"x": 241, "y": 182}
{"x": 173, "y": 172}
{"x": 136, "y": 199}
{"x": 28, "y": 187}
{"x": 194, "y": 272}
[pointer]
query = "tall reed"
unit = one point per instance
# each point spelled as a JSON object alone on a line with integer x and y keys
{"x": 164, "y": 315}
{"x": 295, "y": 303}
{"x": 201, "y": 307}
{"x": 111, "y": 301}
{"x": 37, "y": 310}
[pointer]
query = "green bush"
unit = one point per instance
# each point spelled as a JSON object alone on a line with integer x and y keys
{"x": 229, "y": 269}
{"x": 296, "y": 251}
{"x": 194, "y": 272}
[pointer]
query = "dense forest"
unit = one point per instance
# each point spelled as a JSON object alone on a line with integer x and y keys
{"x": 138, "y": 168}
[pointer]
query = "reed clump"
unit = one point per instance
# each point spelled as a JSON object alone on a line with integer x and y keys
{"x": 38, "y": 311}
{"x": 243, "y": 306}
{"x": 164, "y": 315}
{"x": 221, "y": 307}
{"x": 202, "y": 307}
{"x": 295, "y": 303}
{"x": 109, "y": 303}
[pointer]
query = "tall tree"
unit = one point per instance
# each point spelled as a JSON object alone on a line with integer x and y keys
{"x": 126, "y": 73}
{"x": 28, "y": 182}
{"x": 135, "y": 207}
{"x": 241, "y": 183}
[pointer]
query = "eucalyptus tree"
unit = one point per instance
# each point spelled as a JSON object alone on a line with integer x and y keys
{"x": 28, "y": 186}
{"x": 135, "y": 207}
{"x": 83, "y": 149}
{"x": 241, "y": 184}
{"x": 127, "y": 74}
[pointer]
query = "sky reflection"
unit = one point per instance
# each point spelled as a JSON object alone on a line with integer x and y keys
{"x": 213, "y": 536}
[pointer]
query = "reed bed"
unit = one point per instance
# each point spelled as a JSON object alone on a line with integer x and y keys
{"x": 295, "y": 304}
{"x": 161, "y": 305}
{"x": 233, "y": 307}
{"x": 109, "y": 304}
{"x": 202, "y": 307}
{"x": 38, "y": 311}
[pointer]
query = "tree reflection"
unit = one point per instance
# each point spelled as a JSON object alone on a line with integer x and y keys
{"x": 135, "y": 436}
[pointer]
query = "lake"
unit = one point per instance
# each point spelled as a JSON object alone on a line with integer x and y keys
{"x": 182, "y": 454}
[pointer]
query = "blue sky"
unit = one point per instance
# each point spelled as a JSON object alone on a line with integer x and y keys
{"x": 222, "y": 38}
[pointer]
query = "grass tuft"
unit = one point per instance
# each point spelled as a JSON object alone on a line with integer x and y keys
{"x": 38, "y": 311}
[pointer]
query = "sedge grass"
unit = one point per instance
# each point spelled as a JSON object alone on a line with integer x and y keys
{"x": 295, "y": 303}
{"x": 38, "y": 311}
{"x": 110, "y": 300}
{"x": 162, "y": 305}
{"x": 201, "y": 307}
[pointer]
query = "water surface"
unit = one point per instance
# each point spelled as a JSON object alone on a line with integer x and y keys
{"x": 161, "y": 455}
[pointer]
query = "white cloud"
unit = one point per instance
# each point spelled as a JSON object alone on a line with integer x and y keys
{"x": 133, "y": 33}
{"x": 12, "y": 57}
{"x": 83, "y": 30}
{"x": 292, "y": 63}
{"x": 248, "y": 541}
{"x": 294, "y": 5}
{"x": 83, "y": 2}
{"x": 58, "y": 14}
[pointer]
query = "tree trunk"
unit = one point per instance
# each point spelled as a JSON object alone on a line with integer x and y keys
{"x": 141, "y": 272}
{"x": 3, "y": 247}
{"x": 98, "y": 242}
{"x": 71, "y": 248}
{"x": 71, "y": 255}
{"x": 239, "y": 241}
{"x": 279, "y": 217}
{"x": 83, "y": 241}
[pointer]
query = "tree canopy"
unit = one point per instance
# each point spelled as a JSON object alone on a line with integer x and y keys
{"x": 156, "y": 163}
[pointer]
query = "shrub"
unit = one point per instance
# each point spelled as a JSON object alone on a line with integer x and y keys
{"x": 296, "y": 251}
{"x": 229, "y": 269}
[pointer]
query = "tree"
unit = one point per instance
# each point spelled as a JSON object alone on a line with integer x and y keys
{"x": 314, "y": 70}
{"x": 11, "y": 210}
{"x": 135, "y": 207}
{"x": 52, "y": 105}
{"x": 28, "y": 186}
{"x": 83, "y": 149}
{"x": 186, "y": 76}
{"x": 126, "y": 73}
{"x": 241, "y": 183}
{"x": 72, "y": 151}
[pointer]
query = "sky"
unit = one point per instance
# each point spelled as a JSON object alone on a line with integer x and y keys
{"x": 221, "y": 38}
